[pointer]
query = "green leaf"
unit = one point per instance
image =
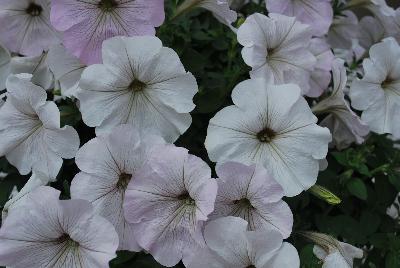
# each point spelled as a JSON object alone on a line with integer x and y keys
{"x": 308, "y": 259}
{"x": 392, "y": 259}
{"x": 357, "y": 188}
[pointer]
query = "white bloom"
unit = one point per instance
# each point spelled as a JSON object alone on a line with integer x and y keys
{"x": 332, "y": 252}
{"x": 18, "y": 198}
{"x": 140, "y": 83}
{"x": 345, "y": 125}
{"x": 343, "y": 30}
{"x": 231, "y": 245}
{"x": 48, "y": 232}
{"x": 5, "y": 58}
{"x": 377, "y": 94}
{"x": 277, "y": 46}
{"x": 272, "y": 126}
{"x": 37, "y": 66}
{"x": 30, "y": 133}
{"x": 107, "y": 165}
{"x": 66, "y": 68}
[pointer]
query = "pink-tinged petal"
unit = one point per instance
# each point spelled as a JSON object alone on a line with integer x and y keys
{"x": 86, "y": 24}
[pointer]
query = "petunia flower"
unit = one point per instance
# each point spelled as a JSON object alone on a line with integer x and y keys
{"x": 316, "y": 13}
{"x": 169, "y": 201}
{"x": 25, "y": 26}
{"x": 30, "y": 133}
{"x": 345, "y": 125}
{"x": 377, "y": 94}
{"x": 230, "y": 244}
{"x": 272, "y": 126}
{"x": 343, "y": 30}
{"x": 321, "y": 75}
{"x": 251, "y": 193}
{"x": 66, "y": 68}
{"x": 371, "y": 31}
{"x": 48, "y": 232}
{"x": 86, "y": 24}
{"x": 19, "y": 198}
{"x": 5, "y": 58}
{"x": 141, "y": 83}
{"x": 108, "y": 164}
{"x": 220, "y": 9}
{"x": 37, "y": 66}
{"x": 277, "y": 46}
{"x": 332, "y": 252}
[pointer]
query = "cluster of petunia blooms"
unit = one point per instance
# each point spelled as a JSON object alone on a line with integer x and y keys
{"x": 136, "y": 190}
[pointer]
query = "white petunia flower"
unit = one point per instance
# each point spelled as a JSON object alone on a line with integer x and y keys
{"x": 219, "y": 8}
{"x": 277, "y": 46}
{"x": 107, "y": 165}
{"x": 30, "y": 133}
{"x": 67, "y": 69}
{"x": 19, "y": 198}
{"x": 37, "y": 66}
{"x": 169, "y": 201}
{"x": 332, "y": 252}
{"x": 48, "y": 232}
{"x": 345, "y": 125}
{"x": 343, "y": 30}
{"x": 229, "y": 244}
{"x": 5, "y": 58}
{"x": 272, "y": 126}
{"x": 377, "y": 94}
{"x": 249, "y": 192}
{"x": 140, "y": 83}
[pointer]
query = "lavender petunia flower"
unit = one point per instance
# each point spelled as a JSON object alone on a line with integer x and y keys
{"x": 277, "y": 47}
{"x": 48, "y": 232}
{"x": 251, "y": 193}
{"x": 108, "y": 164}
{"x": 343, "y": 30}
{"x": 321, "y": 75}
{"x": 86, "y": 24}
{"x": 25, "y": 26}
{"x": 229, "y": 244}
{"x": 316, "y": 13}
{"x": 168, "y": 201}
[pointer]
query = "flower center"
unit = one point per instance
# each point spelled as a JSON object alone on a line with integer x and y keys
{"x": 34, "y": 10}
{"x": 387, "y": 83}
{"x": 266, "y": 135}
{"x": 137, "y": 85}
{"x": 185, "y": 197}
{"x": 65, "y": 238}
{"x": 107, "y": 5}
{"x": 244, "y": 203}
{"x": 124, "y": 180}
{"x": 251, "y": 266}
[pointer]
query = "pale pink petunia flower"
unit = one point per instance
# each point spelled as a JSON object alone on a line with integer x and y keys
{"x": 316, "y": 13}
{"x": 25, "y": 26}
{"x": 108, "y": 163}
{"x": 48, "y": 232}
{"x": 321, "y": 75}
{"x": 169, "y": 201}
{"x": 86, "y": 24}
{"x": 251, "y": 193}
{"x": 230, "y": 244}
